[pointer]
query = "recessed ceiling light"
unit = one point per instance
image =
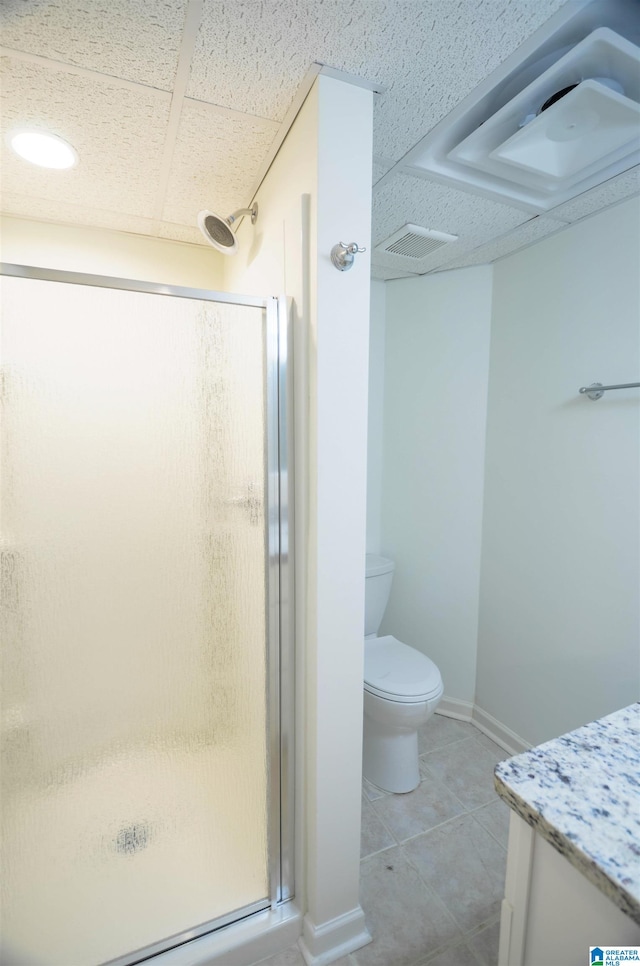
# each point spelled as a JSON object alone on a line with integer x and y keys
{"x": 45, "y": 150}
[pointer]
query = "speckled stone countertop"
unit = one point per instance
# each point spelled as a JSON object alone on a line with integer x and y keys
{"x": 581, "y": 792}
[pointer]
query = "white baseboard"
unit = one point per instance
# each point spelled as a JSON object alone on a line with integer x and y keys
{"x": 323, "y": 944}
{"x": 494, "y": 729}
{"x": 453, "y": 708}
{"x": 512, "y": 743}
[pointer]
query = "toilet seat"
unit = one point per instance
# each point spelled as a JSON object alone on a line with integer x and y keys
{"x": 397, "y": 672}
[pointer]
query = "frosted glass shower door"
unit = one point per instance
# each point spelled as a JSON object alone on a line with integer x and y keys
{"x": 135, "y": 578}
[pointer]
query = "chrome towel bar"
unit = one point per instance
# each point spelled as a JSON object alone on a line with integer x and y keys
{"x": 596, "y": 389}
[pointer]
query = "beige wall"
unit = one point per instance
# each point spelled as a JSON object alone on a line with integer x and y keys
{"x": 318, "y": 189}
{"x": 100, "y": 251}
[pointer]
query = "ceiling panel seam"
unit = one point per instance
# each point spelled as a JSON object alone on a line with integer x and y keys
{"x": 96, "y": 75}
{"x": 284, "y": 127}
{"x": 405, "y": 171}
{"x": 230, "y": 112}
{"x": 192, "y": 20}
{"x": 150, "y": 153}
{"x": 73, "y": 206}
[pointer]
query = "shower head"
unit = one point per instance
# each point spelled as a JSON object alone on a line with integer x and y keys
{"x": 218, "y": 232}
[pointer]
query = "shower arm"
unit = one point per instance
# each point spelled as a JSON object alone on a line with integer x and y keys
{"x": 244, "y": 211}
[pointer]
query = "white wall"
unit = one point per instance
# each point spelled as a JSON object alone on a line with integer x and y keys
{"x": 558, "y": 635}
{"x": 375, "y": 425}
{"x": 338, "y": 507}
{"x": 317, "y": 192}
{"x": 437, "y": 357}
{"x": 101, "y": 251}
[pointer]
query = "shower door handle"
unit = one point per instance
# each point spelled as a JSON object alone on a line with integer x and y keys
{"x": 252, "y": 502}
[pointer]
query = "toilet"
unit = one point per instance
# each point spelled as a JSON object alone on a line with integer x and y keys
{"x": 402, "y": 689}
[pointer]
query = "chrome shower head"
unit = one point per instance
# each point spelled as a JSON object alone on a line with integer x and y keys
{"x": 218, "y": 232}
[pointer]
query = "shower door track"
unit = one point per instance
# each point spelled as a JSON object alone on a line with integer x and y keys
{"x": 279, "y": 596}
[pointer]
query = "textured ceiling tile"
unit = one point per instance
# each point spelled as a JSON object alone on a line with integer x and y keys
{"x": 252, "y": 55}
{"x": 449, "y": 48}
{"x": 435, "y": 206}
{"x": 216, "y": 160}
{"x": 183, "y": 233}
{"x": 47, "y": 209}
{"x": 138, "y": 40}
{"x": 118, "y": 134}
{"x": 386, "y": 274}
{"x": 396, "y": 264}
{"x": 381, "y": 166}
{"x": 427, "y": 54}
{"x": 612, "y": 191}
{"x": 520, "y": 237}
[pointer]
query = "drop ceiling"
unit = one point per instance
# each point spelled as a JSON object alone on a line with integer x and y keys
{"x": 176, "y": 105}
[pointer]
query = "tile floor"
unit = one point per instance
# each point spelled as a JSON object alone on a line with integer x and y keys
{"x": 433, "y": 861}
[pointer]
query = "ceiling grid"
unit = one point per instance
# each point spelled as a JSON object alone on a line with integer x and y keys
{"x": 175, "y": 106}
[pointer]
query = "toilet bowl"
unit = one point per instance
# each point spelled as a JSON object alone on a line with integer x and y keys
{"x": 402, "y": 688}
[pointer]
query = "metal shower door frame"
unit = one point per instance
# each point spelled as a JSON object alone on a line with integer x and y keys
{"x": 279, "y": 582}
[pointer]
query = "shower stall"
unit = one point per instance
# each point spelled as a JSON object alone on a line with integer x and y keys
{"x": 145, "y": 573}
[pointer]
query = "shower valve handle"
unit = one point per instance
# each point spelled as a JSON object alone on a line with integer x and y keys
{"x": 342, "y": 255}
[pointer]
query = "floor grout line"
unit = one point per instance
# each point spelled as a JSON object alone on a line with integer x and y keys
{"x": 388, "y": 848}
{"x": 451, "y": 792}
{"x": 433, "y": 828}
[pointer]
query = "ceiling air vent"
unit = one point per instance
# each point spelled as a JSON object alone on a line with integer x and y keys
{"x": 412, "y": 241}
{"x": 558, "y": 117}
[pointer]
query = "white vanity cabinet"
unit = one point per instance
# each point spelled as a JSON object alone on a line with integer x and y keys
{"x": 573, "y": 863}
{"x": 551, "y": 913}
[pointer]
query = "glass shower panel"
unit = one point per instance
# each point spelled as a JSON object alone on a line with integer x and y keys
{"x": 134, "y": 735}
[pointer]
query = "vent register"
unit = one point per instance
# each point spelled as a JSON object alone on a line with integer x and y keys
{"x": 413, "y": 241}
{"x": 589, "y": 131}
{"x": 559, "y": 117}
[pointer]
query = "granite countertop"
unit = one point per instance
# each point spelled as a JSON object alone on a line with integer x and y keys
{"x": 581, "y": 792}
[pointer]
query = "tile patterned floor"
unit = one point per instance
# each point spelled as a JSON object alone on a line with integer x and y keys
{"x": 433, "y": 861}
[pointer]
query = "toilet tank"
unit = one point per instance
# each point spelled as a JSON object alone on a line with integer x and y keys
{"x": 377, "y": 587}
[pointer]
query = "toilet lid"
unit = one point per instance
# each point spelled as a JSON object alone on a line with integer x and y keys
{"x": 399, "y": 672}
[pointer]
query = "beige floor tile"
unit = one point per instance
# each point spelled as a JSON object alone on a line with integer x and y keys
{"x": 466, "y": 768}
{"x": 429, "y": 805}
{"x": 495, "y": 818}
{"x": 440, "y": 731}
{"x": 485, "y": 944}
{"x": 374, "y": 836}
{"x": 486, "y": 742}
{"x": 458, "y": 955}
{"x": 428, "y": 901}
{"x": 464, "y": 866}
{"x": 405, "y": 918}
{"x": 371, "y": 792}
